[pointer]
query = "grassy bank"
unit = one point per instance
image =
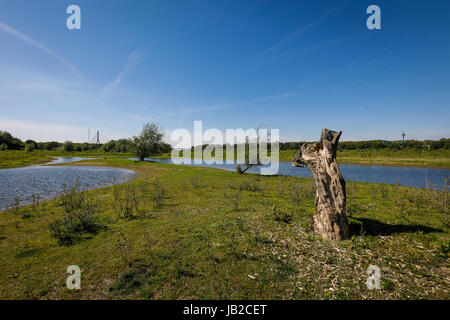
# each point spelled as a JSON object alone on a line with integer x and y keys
{"x": 413, "y": 158}
{"x": 179, "y": 232}
{"x": 20, "y": 158}
{"x": 425, "y": 159}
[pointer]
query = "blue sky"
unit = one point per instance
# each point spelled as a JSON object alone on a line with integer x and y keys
{"x": 294, "y": 65}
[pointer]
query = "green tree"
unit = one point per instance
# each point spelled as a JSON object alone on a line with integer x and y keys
{"x": 68, "y": 146}
{"x": 149, "y": 142}
{"x": 33, "y": 143}
{"x": 29, "y": 147}
{"x": 13, "y": 143}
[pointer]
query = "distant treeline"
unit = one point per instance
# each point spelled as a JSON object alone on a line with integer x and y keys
{"x": 9, "y": 142}
{"x": 380, "y": 144}
{"x": 367, "y": 145}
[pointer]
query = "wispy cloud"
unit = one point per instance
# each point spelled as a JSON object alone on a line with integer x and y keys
{"x": 17, "y": 34}
{"x": 376, "y": 53}
{"x": 132, "y": 60}
{"x": 302, "y": 30}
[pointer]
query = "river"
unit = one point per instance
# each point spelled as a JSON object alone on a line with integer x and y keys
{"x": 48, "y": 181}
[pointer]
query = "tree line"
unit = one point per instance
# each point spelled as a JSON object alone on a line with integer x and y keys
{"x": 380, "y": 144}
{"x": 365, "y": 145}
{"x": 148, "y": 143}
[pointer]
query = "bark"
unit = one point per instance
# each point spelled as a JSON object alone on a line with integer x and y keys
{"x": 330, "y": 219}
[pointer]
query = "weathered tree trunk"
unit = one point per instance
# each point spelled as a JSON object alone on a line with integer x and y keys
{"x": 330, "y": 219}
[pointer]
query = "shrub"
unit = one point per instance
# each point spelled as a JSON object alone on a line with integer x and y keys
{"x": 159, "y": 192}
{"x": 73, "y": 225}
{"x": 3, "y": 147}
{"x": 11, "y": 142}
{"x": 29, "y": 147}
{"x": 73, "y": 198}
{"x": 68, "y": 146}
{"x": 126, "y": 201}
{"x": 279, "y": 215}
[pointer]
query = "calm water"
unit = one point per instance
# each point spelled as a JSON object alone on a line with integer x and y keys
{"x": 49, "y": 181}
{"x": 406, "y": 176}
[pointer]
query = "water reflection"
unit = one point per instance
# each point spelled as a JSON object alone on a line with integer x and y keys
{"x": 48, "y": 181}
{"x": 406, "y": 176}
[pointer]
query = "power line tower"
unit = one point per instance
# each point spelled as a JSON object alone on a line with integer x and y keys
{"x": 95, "y": 139}
{"x": 403, "y": 135}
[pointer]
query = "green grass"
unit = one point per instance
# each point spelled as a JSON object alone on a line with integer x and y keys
{"x": 215, "y": 234}
{"x": 19, "y": 158}
{"x": 414, "y": 158}
{"x": 408, "y": 157}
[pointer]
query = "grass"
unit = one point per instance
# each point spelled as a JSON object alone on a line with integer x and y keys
{"x": 413, "y": 158}
{"x": 407, "y": 157}
{"x": 203, "y": 233}
{"x": 20, "y": 158}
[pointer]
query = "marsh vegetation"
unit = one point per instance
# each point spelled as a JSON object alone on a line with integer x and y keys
{"x": 179, "y": 232}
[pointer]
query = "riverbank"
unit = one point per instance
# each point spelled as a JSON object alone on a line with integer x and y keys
{"x": 202, "y": 233}
{"x": 407, "y": 158}
{"x": 20, "y": 158}
{"x": 404, "y": 158}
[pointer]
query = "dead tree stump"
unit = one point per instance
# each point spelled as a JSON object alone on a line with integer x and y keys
{"x": 330, "y": 219}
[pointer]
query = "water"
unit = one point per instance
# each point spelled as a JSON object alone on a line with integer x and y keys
{"x": 48, "y": 181}
{"x": 68, "y": 159}
{"x": 406, "y": 176}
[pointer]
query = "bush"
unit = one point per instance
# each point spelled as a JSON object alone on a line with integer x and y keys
{"x": 280, "y": 216}
{"x": 12, "y": 143}
{"x": 3, "y": 147}
{"x": 52, "y": 145}
{"x": 29, "y": 148}
{"x": 68, "y": 146}
{"x": 78, "y": 218}
{"x": 73, "y": 225}
{"x": 126, "y": 200}
{"x": 159, "y": 192}
{"x": 73, "y": 198}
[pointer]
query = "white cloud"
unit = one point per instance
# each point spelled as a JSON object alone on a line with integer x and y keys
{"x": 132, "y": 60}
{"x": 5, "y": 28}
